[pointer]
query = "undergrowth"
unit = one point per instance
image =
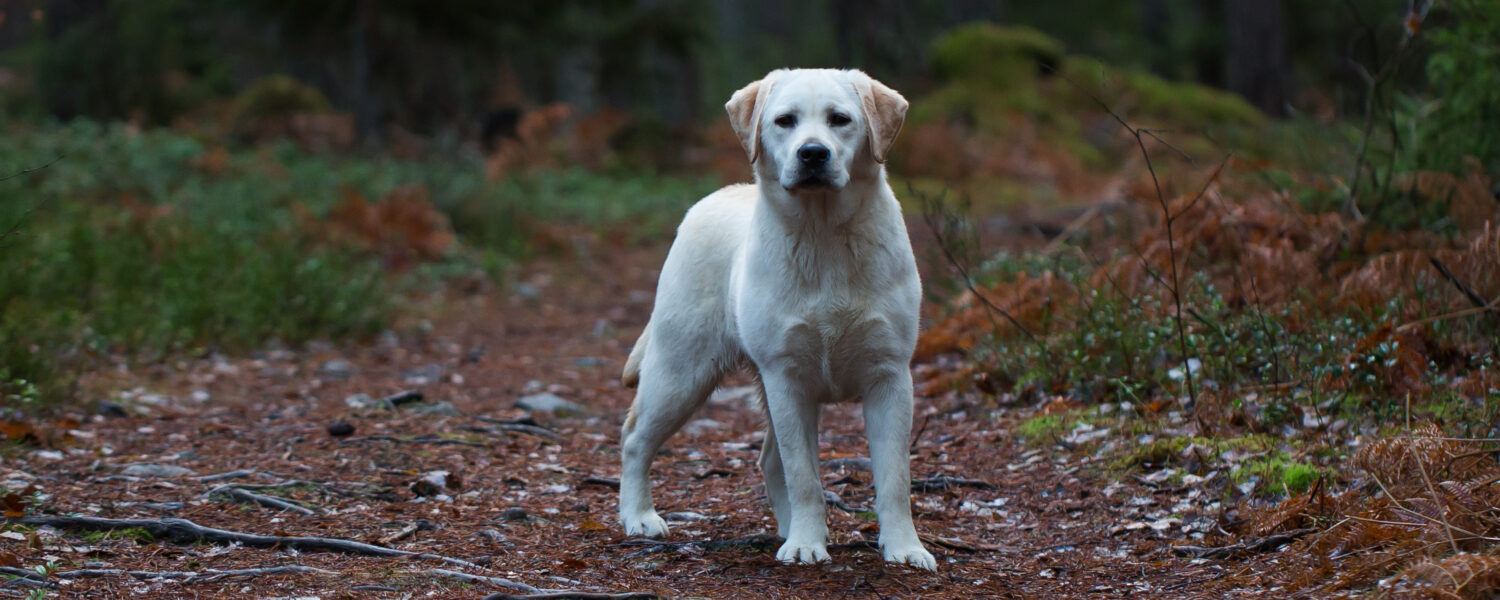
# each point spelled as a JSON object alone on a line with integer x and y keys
{"x": 140, "y": 244}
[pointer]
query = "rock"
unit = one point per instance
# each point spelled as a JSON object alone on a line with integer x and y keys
{"x": 112, "y": 410}
{"x": 155, "y": 470}
{"x": 337, "y": 370}
{"x": 423, "y": 375}
{"x": 442, "y": 408}
{"x": 492, "y": 535}
{"x": 340, "y": 428}
{"x": 513, "y": 514}
{"x": 701, "y": 425}
{"x": 359, "y": 401}
{"x": 201, "y": 396}
{"x": 549, "y": 402}
{"x": 528, "y": 291}
{"x": 589, "y": 361}
{"x": 47, "y": 454}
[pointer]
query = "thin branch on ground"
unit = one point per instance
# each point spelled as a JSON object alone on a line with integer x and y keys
{"x": 421, "y": 439}
{"x": 187, "y": 576}
{"x": 239, "y": 494}
{"x": 943, "y": 482}
{"x": 1265, "y": 544}
{"x": 566, "y": 595}
{"x": 1469, "y": 293}
{"x": 764, "y": 540}
{"x": 483, "y": 579}
{"x": 183, "y": 531}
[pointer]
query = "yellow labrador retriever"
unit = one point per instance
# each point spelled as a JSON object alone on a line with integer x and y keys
{"x": 806, "y": 276}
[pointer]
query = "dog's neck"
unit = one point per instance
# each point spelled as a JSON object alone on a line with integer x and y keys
{"x": 826, "y": 233}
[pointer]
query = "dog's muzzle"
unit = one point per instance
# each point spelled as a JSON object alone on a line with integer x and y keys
{"x": 812, "y": 159}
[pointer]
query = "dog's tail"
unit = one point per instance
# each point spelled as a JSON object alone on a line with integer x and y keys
{"x": 631, "y": 376}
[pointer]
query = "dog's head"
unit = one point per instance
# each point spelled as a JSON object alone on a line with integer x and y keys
{"x": 814, "y": 129}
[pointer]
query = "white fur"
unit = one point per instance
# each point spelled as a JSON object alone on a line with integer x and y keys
{"x": 815, "y": 289}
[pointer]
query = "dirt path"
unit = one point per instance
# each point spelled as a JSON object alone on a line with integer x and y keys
{"x": 520, "y": 503}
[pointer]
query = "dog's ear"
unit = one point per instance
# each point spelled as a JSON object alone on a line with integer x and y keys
{"x": 745, "y": 108}
{"x": 885, "y": 112}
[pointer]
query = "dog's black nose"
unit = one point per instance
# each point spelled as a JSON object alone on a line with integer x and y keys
{"x": 813, "y": 155}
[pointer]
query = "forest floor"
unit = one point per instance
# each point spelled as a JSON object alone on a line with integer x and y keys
{"x": 528, "y": 495}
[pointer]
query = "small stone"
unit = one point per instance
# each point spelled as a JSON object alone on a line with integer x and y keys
{"x": 548, "y": 402}
{"x": 440, "y": 408}
{"x": 359, "y": 401}
{"x": 47, "y": 454}
{"x": 337, "y": 369}
{"x": 201, "y": 396}
{"x": 155, "y": 470}
{"x": 423, "y": 375}
{"x": 588, "y": 361}
{"x": 528, "y": 291}
{"x": 112, "y": 410}
{"x": 514, "y": 513}
{"x": 340, "y": 428}
{"x": 492, "y": 535}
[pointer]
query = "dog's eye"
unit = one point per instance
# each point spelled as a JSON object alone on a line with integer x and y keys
{"x": 786, "y": 121}
{"x": 838, "y": 120}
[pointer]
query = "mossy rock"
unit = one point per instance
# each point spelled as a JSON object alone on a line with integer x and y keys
{"x": 275, "y": 97}
{"x": 1153, "y": 97}
{"x": 994, "y": 55}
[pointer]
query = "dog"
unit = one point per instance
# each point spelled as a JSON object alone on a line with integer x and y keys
{"x": 806, "y": 277}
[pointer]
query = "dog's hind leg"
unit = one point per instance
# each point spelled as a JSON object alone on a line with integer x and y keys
{"x": 663, "y": 403}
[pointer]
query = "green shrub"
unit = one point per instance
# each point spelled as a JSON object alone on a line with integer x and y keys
{"x": 993, "y": 55}
{"x": 1463, "y": 79}
{"x": 273, "y": 97}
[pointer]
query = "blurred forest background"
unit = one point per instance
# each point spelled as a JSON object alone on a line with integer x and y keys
{"x": 1252, "y": 242}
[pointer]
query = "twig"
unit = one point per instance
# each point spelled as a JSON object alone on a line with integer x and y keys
{"x": 943, "y": 482}
{"x": 26, "y": 215}
{"x": 187, "y": 576}
{"x": 764, "y": 540}
{"x": 929, "y": 214}
{"x": 833, "y": 499}
{"x": 1493, "y": 305}
{"x": 244, "y": 495}
{"x": 566, "y": 595}
{"x": 608, "y": 482}
{"x": 229, "y": 475}
{"x": 183, "y": 531}
{"x": 1474, "y": 298}
{"x": 483, "y": 579}
{"x": 1265, "y": 544}
{"x": 1168, "y": 218}
{"x": 525, "y": 425}
{"x": 421, "y": 439}
{"x": 920, "y": 430}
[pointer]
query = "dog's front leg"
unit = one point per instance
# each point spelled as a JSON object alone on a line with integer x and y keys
{"x": 794, "y": 420}
{"x": 888, "y": 409}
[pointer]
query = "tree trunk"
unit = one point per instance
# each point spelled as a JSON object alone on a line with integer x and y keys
{"x": 1258, "y": 67}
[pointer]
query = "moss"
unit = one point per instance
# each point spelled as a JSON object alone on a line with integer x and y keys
{"x": 1278, "y": 473}
{"x": 273, "y": 97}
{"x": 1168, "y": 451}
{"x": 1153, "y": 97}
{"x": 994, "y": 55}
{"x": 138, "y": 534}
{"x": 1045, "y": 428}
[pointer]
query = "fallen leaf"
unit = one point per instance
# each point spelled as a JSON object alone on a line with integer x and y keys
{"x": 592, "y": 525}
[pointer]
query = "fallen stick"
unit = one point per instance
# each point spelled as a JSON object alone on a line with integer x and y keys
{"x": 183, "y": 531}
{"x": 1265, "y": 544}
{"x": 247, "y": 496}
{"x": 188, "y": 576}
{"x": 655, "y": 546}
{"x": 229, "y": 475}
{"x": 421, "y": 439}
{"x": 608, "y": 482}
{"x": 943, "y": 482}
{"x": 566, "y": 595}
{"x": 483, "y": 579}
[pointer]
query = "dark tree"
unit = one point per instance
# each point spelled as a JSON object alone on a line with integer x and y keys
{"x": 1258, "y": 66}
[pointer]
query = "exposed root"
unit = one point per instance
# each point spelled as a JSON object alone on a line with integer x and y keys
{"x": 183, "y": 531}
{"x": 242, "y": 495}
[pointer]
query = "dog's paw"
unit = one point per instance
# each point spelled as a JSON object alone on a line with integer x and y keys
{"x": 911, "y": 554}
{"x": 647, "y": 524}
{"x": 804, "y": 553}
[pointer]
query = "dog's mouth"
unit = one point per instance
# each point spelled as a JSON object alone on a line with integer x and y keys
{"x": 813, "y": 182}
